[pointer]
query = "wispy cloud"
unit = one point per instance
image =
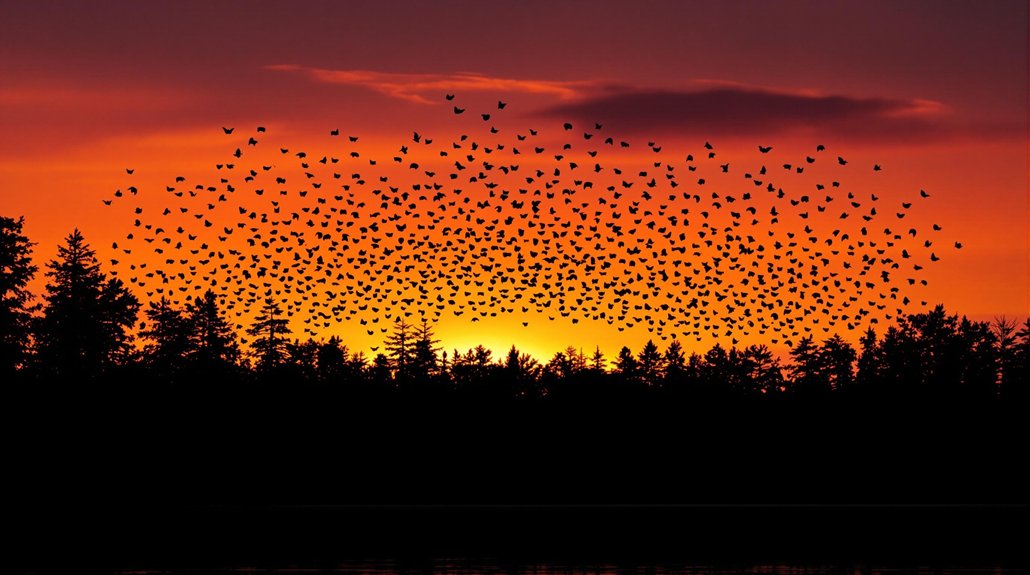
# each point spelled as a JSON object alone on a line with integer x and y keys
{"x": 736, "y": 109}
{"x": 703, "y": 106}
{"x": 426, "y": 88}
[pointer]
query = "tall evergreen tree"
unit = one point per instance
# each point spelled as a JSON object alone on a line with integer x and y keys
{"x": 868, "y": 375}
{"x": 86, "y": 318}
{"x": 763, "y": 372}
{"x": 598, "y": 362}
{"x": 16, "y": 271}
{"x": 399, "y": 348}
{"x": 561, "y": 366}
{"x": 714, "y": 369}
{"x": 522, "y": 372}
{"x": 978, "y": 360}
{"x": 806, "y": 369}
{"x": 1005, "y": 337}
{"x": 1017, "y": 388}
{"x": 331, "y": 361}
{"x": 379, "y": 372}
{"x": 270, "y": 329}
{"x": 837, "y": 362}
{"x": 651, "y": 364}
{"x": 626, "y": 366}
{"x": 423, "y": 365}
{"x": 169, "y": 337}
{"x": 577, "y": 360}
{"x": 675, "y": 361}
{"x": 213, "y": 341}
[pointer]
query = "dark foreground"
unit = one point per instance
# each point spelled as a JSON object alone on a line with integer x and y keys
{"x": 277, "y": 482}
{"x": 201, "y": 537}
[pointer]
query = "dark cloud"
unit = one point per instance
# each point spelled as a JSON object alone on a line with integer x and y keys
{"x": 743, "y": 111}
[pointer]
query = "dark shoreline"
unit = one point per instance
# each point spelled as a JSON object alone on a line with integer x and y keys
{"x": 322, "y": 537}
{"x": 105, "y": 485}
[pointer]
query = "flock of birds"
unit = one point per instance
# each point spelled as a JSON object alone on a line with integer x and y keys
{"x": 582, "y": 226}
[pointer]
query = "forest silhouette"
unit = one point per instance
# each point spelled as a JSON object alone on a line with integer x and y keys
{"x": 83, "y": 331}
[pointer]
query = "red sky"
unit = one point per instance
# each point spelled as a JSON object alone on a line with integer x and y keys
{"x": 935, "y": 92}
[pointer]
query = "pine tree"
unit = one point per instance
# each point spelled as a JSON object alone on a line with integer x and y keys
{"x": 522, "y": 372}
{"x": 16, "y": 271}
{"x": 379, "y": 373}
{"x": 399, "y": 348}
{"x": 577, "y": 361}
{"x": 764, "y": 374}
{"x": 650, "y": 363}
{"x": 1005, "y": 336}
{"x": 561, "y": 366}
{"x": 837, "y": 360}
{"x": 271, "y": 331}
{"x": 169, "y": 335}
{"x": 806, "y": 370}
{"x": 626, "y": 365}
{"x": 674, "y": 360}
{"x": 331, "y": 360}
{"x": 424, "y": 355}
{"x": 868, "y": 360}
{"x": 85, "y": 322}
{"x": 213, "y": 341}
{"x": 598, "y": 363}
{"x": 1017, "y": 388}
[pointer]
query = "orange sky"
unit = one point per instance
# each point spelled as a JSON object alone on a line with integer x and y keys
{"x": 934, "y": 92}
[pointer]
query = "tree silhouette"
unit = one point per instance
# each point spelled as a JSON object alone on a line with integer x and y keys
{"x": 626, "y": 366}
{"x": 978, "y": 358}
{"x": 900, "y": 371}
{"x": 521, "y": 371}
{"x": 379, "y": 372}
{"x": 473, "y": 372}
{"x": 598, "y": 362}
{"x": 714, "y": 370}
{"x": 675, "y": 362}
{"x": 1005, "y": 337}
{"x": 301, "y": 360}
{"x": 399, "y": 347}
{"x": 869, "y": 361}
{"x": 1016, "y": 387}
{"x": 651, "y": 364}
{"x": 85, "y": 322}
{"x": 82, "y": 333}
{"x": 423, "y": 358}
{"x": 331, "y": 361}
{"x": 169, "y": 334}
{"x": 837, "y": 362}
{"x": 270, "y": 329}
{"x": 762, "y": 373}
{"x": 806, "y": 369}
{"x": 562, "y": 366}
{"x": 16, "y": 271}
{"x": 213, "y": 343}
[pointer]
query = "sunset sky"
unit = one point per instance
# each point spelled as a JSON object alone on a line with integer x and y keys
{"x": 935, "y": 92}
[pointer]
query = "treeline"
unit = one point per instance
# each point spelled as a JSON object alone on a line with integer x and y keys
{"x": 87, "y": 329}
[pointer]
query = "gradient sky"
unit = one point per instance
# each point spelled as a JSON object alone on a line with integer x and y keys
{"x": 936, "y": 92}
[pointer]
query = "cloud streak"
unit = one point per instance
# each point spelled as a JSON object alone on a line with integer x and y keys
{"x": 415, "y": 87}
{"x": 739, "y": 110}
{"x": 706, "y": 107}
